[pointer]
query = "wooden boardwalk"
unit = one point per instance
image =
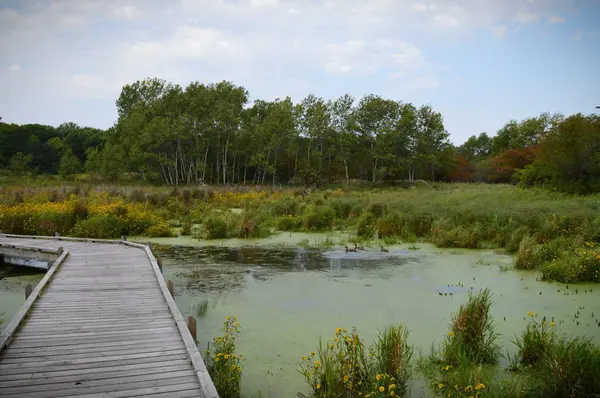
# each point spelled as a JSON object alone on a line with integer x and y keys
{"x": 101, "y": 323}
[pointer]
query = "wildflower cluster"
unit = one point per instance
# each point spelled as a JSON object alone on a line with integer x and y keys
{"x": 222, "y": 363}
{"x": 343, "y": 368}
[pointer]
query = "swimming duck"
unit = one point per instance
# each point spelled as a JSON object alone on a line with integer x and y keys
{"x": 350, "y": 250}
{"x": 384, "y": 250}
{"x": 357, "y": 247}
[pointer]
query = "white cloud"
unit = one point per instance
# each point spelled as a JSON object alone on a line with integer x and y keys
{"x": 498, "y": 31}
{"x": 14, "y": 68}
{"x": 93, "y": 47}
{"x": 556, "y": 19}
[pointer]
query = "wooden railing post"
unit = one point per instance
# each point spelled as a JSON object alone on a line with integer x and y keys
{"x": 57, "y": 234}
{"x": 170, "y": 287}
{"x": 28, "y": 290}
{"x": 123, "y": 237}
{"x": 191, "y": 323}
{"x": 159, "y": 262}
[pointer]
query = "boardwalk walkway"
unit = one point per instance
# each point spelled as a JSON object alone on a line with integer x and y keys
{"x": 100, "y": 324}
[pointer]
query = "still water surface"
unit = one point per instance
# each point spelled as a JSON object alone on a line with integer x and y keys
{"x": 286, "y": 298}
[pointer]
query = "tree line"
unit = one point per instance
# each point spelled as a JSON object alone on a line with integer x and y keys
{"x": 166, "y": 133}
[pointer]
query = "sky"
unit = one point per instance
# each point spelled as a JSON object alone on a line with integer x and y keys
{"x": 478, "y": 62}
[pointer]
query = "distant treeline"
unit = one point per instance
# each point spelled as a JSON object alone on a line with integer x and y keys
{"x": 169, "y": 134}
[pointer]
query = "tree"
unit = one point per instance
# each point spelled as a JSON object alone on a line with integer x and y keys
{"x": 69, "y": 164}
{"x": 19, "y": 163}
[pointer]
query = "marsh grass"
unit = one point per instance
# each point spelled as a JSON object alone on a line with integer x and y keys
{"x": 344, "y": 367}
{"x": 535, "y": 341}
{"x": 545, "y": 229}
{"x": 201, "y": 308}
{"x": 473, "y": 334}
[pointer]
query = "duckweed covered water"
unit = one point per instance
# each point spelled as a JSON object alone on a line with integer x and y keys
{"x": 287, "y": 298}
{"x": 13, "y": 280}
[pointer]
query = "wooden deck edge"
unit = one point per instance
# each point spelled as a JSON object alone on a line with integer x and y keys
{"x": 65, "y": 238}
{"x": 57, "y": 251}
{"x": 206, "y": 383}
{"x": 13, "y": 326}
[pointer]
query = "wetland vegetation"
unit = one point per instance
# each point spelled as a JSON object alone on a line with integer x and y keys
{"x": 292, "y": 184}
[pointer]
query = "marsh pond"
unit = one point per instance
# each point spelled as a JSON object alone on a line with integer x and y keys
{"x": 287, "y": 297}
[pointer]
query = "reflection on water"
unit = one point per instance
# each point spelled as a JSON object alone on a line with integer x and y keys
{"x": 13, "y": 279}
{"x": 286, "y": 299}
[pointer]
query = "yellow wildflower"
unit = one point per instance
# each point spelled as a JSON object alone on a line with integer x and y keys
{"x": 552, "y": 324}
{"x": 392, "y": 393}
{"x": 232, "y": 367}
{"x": 468, "y": 388}
{"x": 318, "y": 386}
{"x": 304, "y": 357}
{"x": 451, "y": 333}
{"x": 226, "y": 356}
{"x": 331, "y": 346}
{"x": 378, "y": 377}
{"x": 312, "y": 353}
{"x": 228, "y": 317}
{"x": 479, "y": 386}
{"x": 441, "y": 385}
{"x": 392, "y": 386}
{"x": 317, "y": 364}
{"x": 529, "y": 313}
{"x": 237, "y": 324}
{"x": 345, "y": 378}
{"x": 382, "y": 389}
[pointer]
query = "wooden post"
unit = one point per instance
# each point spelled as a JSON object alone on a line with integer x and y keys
{"x": 123, "y": 237}
{"x": 28, "y": 290}
{"x": 192, "y": 326}
{"x": 170, "y": 287}
{"x": 57, "y": 234}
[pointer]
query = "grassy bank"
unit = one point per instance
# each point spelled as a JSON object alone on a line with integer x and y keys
{"x": 554, "y": 233}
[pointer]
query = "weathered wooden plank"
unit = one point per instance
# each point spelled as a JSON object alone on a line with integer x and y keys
{"x": 50, "y": 331}
{"x": 95, "y": 346}
{"x": 207, "y": 386}
{"x": 170, "y": 390}
{"x": 78, "y": 389}
{"x": 87, "y": 349}
{"x": 43, "y": 355}
{"x": 90, "y": 361}
{"x": 165, "y": 329}
{"x": 63, "y": 366}
{"x": 95, "y": 373}
{"x": 11, "y": 328}
{"x": 106, "y": 313}
{"x": 78, "y": 382}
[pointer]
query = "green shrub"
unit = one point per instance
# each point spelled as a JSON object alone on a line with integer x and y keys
{"x": 288, "y": 223}
{"x": 576, "y": 265}
{"x": 318, "y": 218}
{"x": 288, "y": 206}
{"x": 100, "y": 227}
{"x": 217, "y": 226}
{"x": 377, "y": 209}
{"x": 343, "y": 207}
{"x": 160, "y": 230}
{"x": 390, "y": 225}
{"x": 366, "y": 225}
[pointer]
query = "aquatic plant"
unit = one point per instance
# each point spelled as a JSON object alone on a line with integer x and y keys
{"x": 535, "y": 341}
{"x": 201, "y": 308}
{"x": 345, "y": 368}
{"x": 222, "y": 362}
{"x": 472, "y": 334}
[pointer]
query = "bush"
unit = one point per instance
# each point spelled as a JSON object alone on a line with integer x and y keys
{"x": 377, "y": 209}
{"x": 366, "y": 225}
{"x": 160, "y": 230}
{"x": 222, "y": 362}
{"x": 318, "y": 218}
{"x": 390, "y": 225}
{"x": 578, "y": 265}
{"x": 528, "y": 255}
{"x": 100, "y": 227}
{"x": 288, "y": 223}
{"x": 343, "y": 207}
{"x": 217, "y": 226}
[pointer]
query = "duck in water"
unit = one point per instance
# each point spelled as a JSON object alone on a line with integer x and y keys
{"x": 357, "y": 247}
{"x": 384, "y": 250}
{"x": 350, "y": 250}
